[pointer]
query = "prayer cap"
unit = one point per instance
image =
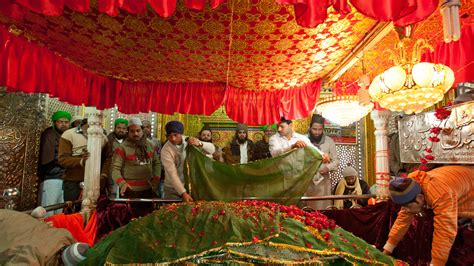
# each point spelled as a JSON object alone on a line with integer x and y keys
{"x": 135, "y": 121}
{"x": 403, "y": 190}
{"x": 349, "y": 171}
{"x": 317, "y": 119}
{"x": 174, "y": 127}
{"x": 241, "y": 126}
{"x": 61, "y": 114}
{"x": 76, "y": 117}
{"x": 274, "y": 126}
{"x": 74, "y": 254}
{"x": 121, "y": 121}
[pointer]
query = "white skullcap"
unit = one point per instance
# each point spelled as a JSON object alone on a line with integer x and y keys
{"x": 39, "y": 212}
{"x": 349, "y": 171}
{"x": 135, "y": 121}
{"x": 76, "y": 117}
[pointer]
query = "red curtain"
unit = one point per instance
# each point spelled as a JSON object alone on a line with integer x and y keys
{"x": 345, "y": 88}
{"x": 310, "y": 13}
{"x": 164, "y": 8}
{"x": 168, "y": 98}
{"x": 459, "y": 55}
{"x": 28, "y": 67}
{"x": 266, "y": 107}
{"x": 402, "y": 13}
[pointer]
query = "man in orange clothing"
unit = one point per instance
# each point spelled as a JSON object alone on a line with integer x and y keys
{"x": 448, "y": 190}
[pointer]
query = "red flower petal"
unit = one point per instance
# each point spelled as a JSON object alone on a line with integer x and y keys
{"x": 429, "y": 157}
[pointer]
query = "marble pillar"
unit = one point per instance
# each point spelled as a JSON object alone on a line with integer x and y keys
{"x": 92, "y": 167}
{"x": 382, "y": 155}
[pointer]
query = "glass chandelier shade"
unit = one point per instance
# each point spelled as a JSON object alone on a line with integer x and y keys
{"x": 411, "y": 86}
{"x": 345, "y": 109}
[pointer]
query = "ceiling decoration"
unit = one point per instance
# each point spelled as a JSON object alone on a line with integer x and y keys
{"x": 377, "y": 59}
{"x": 263, "y": 49}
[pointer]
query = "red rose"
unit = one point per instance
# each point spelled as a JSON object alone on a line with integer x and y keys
{"x": 435, "y": 130}
{"x": 423, "y": 168}
{"x": 429, "y": 157}
{"x": 327, "y": 236}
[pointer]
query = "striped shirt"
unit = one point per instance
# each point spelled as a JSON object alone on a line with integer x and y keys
{"x": 127, "y": 169}
{"x": 449, "y": 191}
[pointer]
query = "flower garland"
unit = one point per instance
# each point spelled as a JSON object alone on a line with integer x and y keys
{"x": 441, "y": 114}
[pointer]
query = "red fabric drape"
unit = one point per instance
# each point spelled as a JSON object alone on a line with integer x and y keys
{"x": 310, "y": 13}
{"x": 28, "y": 67}
{"x": 164, "y": 8}
{"x": 402, "y": 13}
{"x": 168, "y": 98}
{"x": 75, "y": 225}
{"x": 345, "y": 88}
{"x": 262, "y": 108}
{"x": 459, "y": 55}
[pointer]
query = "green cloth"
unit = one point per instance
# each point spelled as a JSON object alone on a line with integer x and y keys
{"x": 61, "y": 114}
{"x": 246, "y": 231}
{"x": 121, "y": 121}
{"x": 285, "y": 177}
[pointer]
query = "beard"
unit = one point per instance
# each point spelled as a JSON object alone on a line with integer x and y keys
{"x": 315, "y": 140}
{"x": 206, "y": 140}
{"x": 60, "y": 129}
{"x": 120, "y": 135}
{"x": 241, "y": 141}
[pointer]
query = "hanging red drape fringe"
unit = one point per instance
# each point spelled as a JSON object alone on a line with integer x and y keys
{"x": 459, "y": 56}
{"x": 310, "y": 13}
{"x": 164, "y": 8}
{"x": 262, "y": 108}
{"x": 31, "y": 68}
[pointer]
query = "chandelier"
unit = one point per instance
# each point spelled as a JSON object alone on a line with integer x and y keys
{"x": 411, "y": 86}
{"x": 345, "y": 109}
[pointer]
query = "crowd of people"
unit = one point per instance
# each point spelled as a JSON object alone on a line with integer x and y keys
{"x": 136, "y": 165}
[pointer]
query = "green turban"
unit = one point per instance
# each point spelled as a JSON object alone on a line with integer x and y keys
{"x": 121, "y": 121}
{"x": 274, "y": 126}
{"x": 61, "y": 114}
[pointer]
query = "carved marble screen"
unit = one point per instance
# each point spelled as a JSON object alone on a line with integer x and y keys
{"x": 456, "y": 145}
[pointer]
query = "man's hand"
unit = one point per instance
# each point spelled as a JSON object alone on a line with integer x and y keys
{"x": 194, "y": 141}
{"x": 299, "y": 144}
{"x": 217, "y": 155}
{"x": 324, "y": 170}
{"x": 326, "y": 158}
{"x": 124, "y": 188}
{"x": 84, "y": 157}
{"x": 186, "y": 198}
{"x": 386, "y": 252}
